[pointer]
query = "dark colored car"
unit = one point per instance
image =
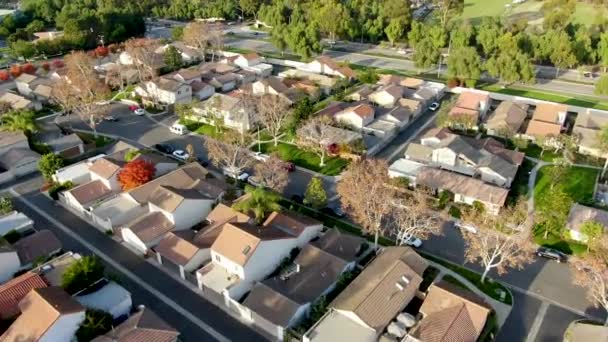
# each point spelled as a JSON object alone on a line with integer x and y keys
{"x": 203, "y": 162}
{"x": 164, "y": 148}
{"x": 290, "y": 167}
{"x": 551, "y": 254}
{"x": 333, "y": 212}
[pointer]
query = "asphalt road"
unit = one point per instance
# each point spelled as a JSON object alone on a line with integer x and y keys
{"x": 222, "y": 326}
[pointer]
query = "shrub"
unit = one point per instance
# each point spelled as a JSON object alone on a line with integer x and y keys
{"x": 29, "y": 68}
{"x": 45, "y": 66}
{"x": 82, "y": 274}
{"x": 6, "y": 205}
{"x": 453, "y": 82}
{"x": 445, "y": 197}
{"x": 96, "y": 323}
{"x": 131, "y": 154}
{"x": 454, "y": 211}
{"x": 16, "y": 70}
{"x": 101, "y": 51}
{"x": 49, "y": 163}
{"x": 58, "y": 63}
{"x": 4, "y": 75}
{"x": 12, "y": 236}
{"x": 470, "y": 83}
{"x": 56, "y": 188}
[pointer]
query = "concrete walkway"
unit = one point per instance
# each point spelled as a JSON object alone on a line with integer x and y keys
{"x": 502, "y": 310}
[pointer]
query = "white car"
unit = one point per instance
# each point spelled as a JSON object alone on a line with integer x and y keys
{"x": 466, "y": 226}
{"x": 413, "y": 241}
{"x": 243, "y": 177}
{"x": 180, "y": 154}
{"x": 434, "y": 106}
{"x": 139, "y": 112}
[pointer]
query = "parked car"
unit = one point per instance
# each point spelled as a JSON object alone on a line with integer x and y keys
{"x": 551, "y": 254}
{"x": 139, "y": 111}
{"x": 466, "y": 226}
{"x": 333, "y": 211}
{"x": 178, "y": 129}
{"x": 434, "y": 106}
{"x": 181, "y": 154}
{"x": 260, "y": 156}
{"x": 133, "y": 107}
{"x": 289, "y": 166}
{"x": 164, "y": 148}
{"x": 110, "y": 118}
{"x": 413, "y": 241}
{"x": 203, "y": 162}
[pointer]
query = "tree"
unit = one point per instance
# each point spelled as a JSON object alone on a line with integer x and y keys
{"x": 364, "y": 194}
{"x": 332, "y": 18}
{"x": 34, "y": 26}
{"x": 29, "y": 68}
{"x": 4, "y": 76}
{"x": 271, "y": 173}
{"x": 96, "y": 322}
{"x": 136, "y": 173}
{"x": 315, "y": 195}
{"x": 591, "y": 272}
{"x": 602, "y": 144}
{"x": 301, "y": 35}
{"x": 82, "y": 274}
{"x": 15, "y": 70}
{"x": 259, "y": 202}
{"x": 315, "y": 135}
{"x": 24, "y": 121}
{"x": 6, "y": 205}
{"x": 602, "y": 50}
{"x": 551, "y": 210}
{"x": 426, "y": 54}
{"x": 509, "y": 68}
{"x": 412, "y": 217}
{"x": 464, "y": 63}
{"x": 448, "y": 9}
{"x": 230, "y": 154}
{"x": 216, "y": 40}
{"x": 559, "y": 170}
{"x": 395, "y": 30}
{"x": 24, "y": 49}
{"x": 49, "y": 163}
{"x": 601, "y": 87}
{"x": 487, "y": 31}
{"x": 250, "y": 7}
{"x": 592, "y": 231}
{"x": 143, "y": 55}
{"x": 177, "y": 33}
{"x": 196, "y": 34}
{"x": 273, "y": 112}
{"x": 562, "y": 55}
{"x": 501, "y": 241}
{"x": 191, "y": 153}
{"x": 173, "y": 58}
{"x": 101, "y": 51}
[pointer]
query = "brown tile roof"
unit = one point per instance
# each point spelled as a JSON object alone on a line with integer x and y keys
{"x": 508, "y": 114}
{"x": 105, "y": 168}
{"x": 346, "y": 71}
{"x": 328, "y": 61}
{"x": 580, "y": 214}
{"x": 188, "y": 74}
{"x": 251, "y": 56}
{"x": 12, "y": 292}
{"x": 290, "y": 222}
{"x": 222, "y": 213}
{"x": 459, "y": 184}
{"x": 386, "y": 79}
{"x": 363, "y": 110}
{"x": 40, "y": 244}
{"x": 451, "y": 314}
{"x": 182, "y": 178}
{"x": 456, "y": 111}
{"x": 143, "y": 326}
{"x": 437, "y": 132}
{"x": 89, "y": 192}
{"x": 413, "y": 83}
{"x": 394, "y": 90}
{"x": 472, "y": 99}
{"x": 542, "y": 129}
{"x": 199, "y": 85}
{"x": 384, "y": 288}
{"x": 169, "y": 198}
{"x": 342, "y": 245}
{"x": 151, "y": 226}
{"x": 40, "y": 309}
{"x": 11, "y": 138}
{"x": 177, "y": 249}
{"x": 411, "y": 104}
{"x": 549, "y": 112}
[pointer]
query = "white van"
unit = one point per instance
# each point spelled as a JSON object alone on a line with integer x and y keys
{"x": 178, "y": 128}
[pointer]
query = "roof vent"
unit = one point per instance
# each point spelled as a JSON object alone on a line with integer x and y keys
{"x": 246, "y": 249}
{"x": 289, "y": 271}
{"x": 405, "y": 279}
{"x": 399, "y": 286}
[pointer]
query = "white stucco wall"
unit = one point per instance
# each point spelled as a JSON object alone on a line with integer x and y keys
{"x": 191, "y": 212}
{"x": 64, "y": 328}
{"x": 199, "y": 258}
{"x": 9, "y": 264}
{"x": 267, "y": 257}
{"x": 129, "y": 237}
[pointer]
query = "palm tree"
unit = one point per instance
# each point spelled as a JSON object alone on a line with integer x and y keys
{"x": 24, "y": 121}
{"x": 259, "y": 201}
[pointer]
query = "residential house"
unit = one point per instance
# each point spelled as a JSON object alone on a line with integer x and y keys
{"x": 34, "y": 87}
{"x": 244, "y": 253}
{"x": 202, "y": 90}
{"x": 327, "y": 66}
{"x": 399, "y": 116}
{"x": 413, "y": 106}
{"x": 284, "y": 300}
{"x": 406, "y": 168}
{"x": 507, "y": 118}
{"x": 187, "y": 76}
{"x": 471, "y": 103}
{"x": 584, "y": 331}
{"x": 15, "y": 221}
{"x": 53, "y": 270}
{"x": 13, "y": 291}
{"x": 412, "y": 83}
{"x": 276, "y": 86}
{"x": 465, "y": 189}
{"x": 361, "y": 94}
{"x": 17, "y": 162}
{"x": 387, "y": 96}
{"x": 429, "y": 92}
{"x": 68, "y": 145}
{"x": 165, "y": 91}
{"x": 18, "y": 102}
{"x": 389, "y": 79}
{"x": 188, "y": 54}
{"x": 106, "y": 296}
{"x": 485, "y": 158}
{"x": 23, "y": 83}
{"x": 325, "y": 84}
{"x": 176, "y": 201}
{"x": 450, "y": 313}
{"x": 366, "y": 307}
{"x": 9, "y": 261}
{"x": 587, "y": 127}
{"x": 579, "y": 215}
{"x": 253, "y": 62}
{"x": 547, "y": 121}
{"x": 226, "y": 110}
{"x": 47, "y": 314}
{"x": 356, "y": 116}
{"x": 143, "y": 325}
{"x": 36, "y": 247}
{"x": 222, "y": 83}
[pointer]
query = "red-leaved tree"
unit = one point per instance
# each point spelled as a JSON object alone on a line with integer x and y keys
{"x": 16, "y": 70}
{"x": 4, "y": 75}
{"x": 101, "y": 51}
{"x": 45, "y": 66}
{"x": 58, "y": 63}
{"x": 29, "y": 68}
{"x": 136, "y": 173}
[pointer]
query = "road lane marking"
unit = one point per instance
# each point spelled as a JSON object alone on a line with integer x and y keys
{"x": 538, "y": 320}
{"x": 168, "y": 301}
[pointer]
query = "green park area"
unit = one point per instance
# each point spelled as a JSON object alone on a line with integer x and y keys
{"x": 333, "y": 165}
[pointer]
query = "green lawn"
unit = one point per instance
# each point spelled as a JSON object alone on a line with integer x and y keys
{"x": 202, "y": 128}
{"x": 520, "y": 183}
{"x": 580, "y": 101}
{"x": 333, "y": 166}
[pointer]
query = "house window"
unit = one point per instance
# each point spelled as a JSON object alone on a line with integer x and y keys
{"x": 218, "y": 258}
{"x": 179, "y": 92}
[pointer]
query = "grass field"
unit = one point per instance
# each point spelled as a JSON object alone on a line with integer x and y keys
{"x": 305, "y": 159}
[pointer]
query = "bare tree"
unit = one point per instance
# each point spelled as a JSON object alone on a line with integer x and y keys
{"x": 274, "y": 113}
{"x": 500, "y": 241}
{"x": 216, "y": 40}
{"x": 230, "y": 154}
{"x": 413, "y": 217}
{"x": 142, "y": 52}
{"x": 81, "y": 90}
{"x": 364, "y": 194}
{"x": 196, "y": 34}
{"x": 316, "y": 135}
{"x": 272, "y": 173}
{"x": 591, "y": 271}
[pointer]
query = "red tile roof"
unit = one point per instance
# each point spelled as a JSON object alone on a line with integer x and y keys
{"x": 12, "y": 292}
